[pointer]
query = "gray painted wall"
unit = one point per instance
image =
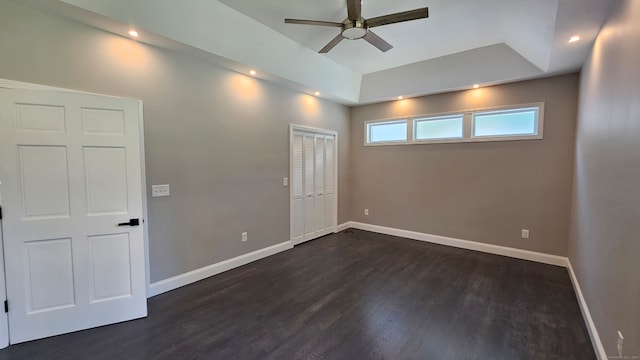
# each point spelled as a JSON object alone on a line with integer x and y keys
{"x": 605, "y": 246}
{"x": 484, "y": 192}
{"x": 219, "y": 138}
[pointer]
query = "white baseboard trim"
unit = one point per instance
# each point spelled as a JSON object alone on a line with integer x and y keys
{"x": 591, "y": 326}
{"x": 175, "y": 282}
{"x": 344, "y": 226}
{"x": 498, "y": 250}
{"x": 466, "y": 244}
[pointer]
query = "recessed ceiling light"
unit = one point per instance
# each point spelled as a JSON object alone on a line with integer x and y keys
{"x": 400, "y": 97}
{"x": 252, "y": 72}
{"x": 317, "y": 93}
{"x": 475, "y": 86}
{"x": 574, "y": 38}
{"x": 133, "y": 33}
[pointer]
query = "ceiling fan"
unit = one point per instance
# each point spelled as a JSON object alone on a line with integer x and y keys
{"x": 356, "y": 27}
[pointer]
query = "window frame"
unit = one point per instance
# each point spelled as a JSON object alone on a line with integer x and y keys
{"x": 417, "y": 120}
{"x": 468, "y": 126}
{"x": 367, "y": 131}
{"x": 538, "y": 125}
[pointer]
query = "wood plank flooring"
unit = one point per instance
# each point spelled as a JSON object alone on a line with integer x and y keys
{"x": 351, "y": 295}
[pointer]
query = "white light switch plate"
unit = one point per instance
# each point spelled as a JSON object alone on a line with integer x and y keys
{"x": 160, "y": 190}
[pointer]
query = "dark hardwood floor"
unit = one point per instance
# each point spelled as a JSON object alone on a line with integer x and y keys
{"x": 351, "y": 295}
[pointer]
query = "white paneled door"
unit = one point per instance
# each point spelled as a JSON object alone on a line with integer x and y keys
{"x": 313, "y": 190}
{"x": 71, "y": 187}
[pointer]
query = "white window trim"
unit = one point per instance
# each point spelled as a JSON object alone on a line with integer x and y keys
{"x": 537, "y": 127}
{"x": 367, "y": 134}
{"x": 416, "y": 120}
{"x": 467, "y": 126}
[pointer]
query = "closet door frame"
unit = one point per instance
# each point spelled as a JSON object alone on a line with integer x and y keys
{"x": 311, "y": 131}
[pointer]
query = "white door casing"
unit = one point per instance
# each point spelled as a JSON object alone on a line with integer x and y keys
{"x": 4, "y": 319}
{"x": 313, "y": 172}
{"x": 71, "y": 172}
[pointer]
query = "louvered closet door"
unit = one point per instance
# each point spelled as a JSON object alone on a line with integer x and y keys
{"x": 308, "y": 142}
{"x": 297, "y": 189}
{"x": 313, "y": 193}
{"x": 318, "y": 175}
{"x": 329, "y": 195}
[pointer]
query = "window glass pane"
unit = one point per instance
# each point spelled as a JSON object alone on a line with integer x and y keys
{"x": 388, "y": 131}
{"x": 506, "y": 123}
{"x": 438, "y": 128}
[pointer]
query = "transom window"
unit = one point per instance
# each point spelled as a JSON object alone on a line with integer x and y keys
{"x": 387, "y": 131}
{"x": 520, "y": 122}
{"x": 445, "y": 127}
{"x": 515, "y": 122}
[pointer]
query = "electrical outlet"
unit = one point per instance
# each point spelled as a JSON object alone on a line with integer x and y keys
{"x": 366, "y": 212}
{"x": 160, "y": 190}
{"x": 244, "y": 236}
{"x": 525, "y": 233}
{"x": 620, "y": 341}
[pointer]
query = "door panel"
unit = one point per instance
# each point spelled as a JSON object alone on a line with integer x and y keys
{"x": 319, "y": 185}
{"x": 309, "y": 145}
{"x": 309, "y": 218}
{"x": 44, "y": 183}
{"x": 309, "y": 204}
{"x": 329, "y": 211}
{"x": 330, "y": 165}
{"x": 40, "y": 118}
{"x": 297, "y": 192}
{"x": 298, "y": 219}
{"x": 297, "y": 182}
{"x": 70, "y": 173}
{"x": 101, "y": 121}
{"x": 319, "y": 165}
{"x": 330, "y": 204}
{"x": 110, "y": 267}
{"x": 106, "y": 180}
{"x": 49, "y": 272}
{"x": 319, "y": 214}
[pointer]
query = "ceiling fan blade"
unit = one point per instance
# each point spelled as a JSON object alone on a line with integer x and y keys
{"x": 354, "y": 9}
{"x": 416, "y": 14}
{"x": 331, "y": 44}
{"x": 312, "y": 22}
{"x": 377, "y": 41}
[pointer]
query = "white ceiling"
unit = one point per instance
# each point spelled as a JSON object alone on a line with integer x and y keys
{"x": 463, "y": 42}
{"x": 454, "y": 26}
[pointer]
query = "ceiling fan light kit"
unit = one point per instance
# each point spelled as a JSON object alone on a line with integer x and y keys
{"x": 353, "y": 30}
{"x": 356, "y": 27}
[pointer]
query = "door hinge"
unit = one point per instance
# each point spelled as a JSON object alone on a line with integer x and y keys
{"x": 6, "y": 306}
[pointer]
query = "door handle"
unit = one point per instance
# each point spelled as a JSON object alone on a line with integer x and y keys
{"x": 132, "y": 222}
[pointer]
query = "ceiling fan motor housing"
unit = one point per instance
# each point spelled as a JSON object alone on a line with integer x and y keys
{"x": 354, "y": 29}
